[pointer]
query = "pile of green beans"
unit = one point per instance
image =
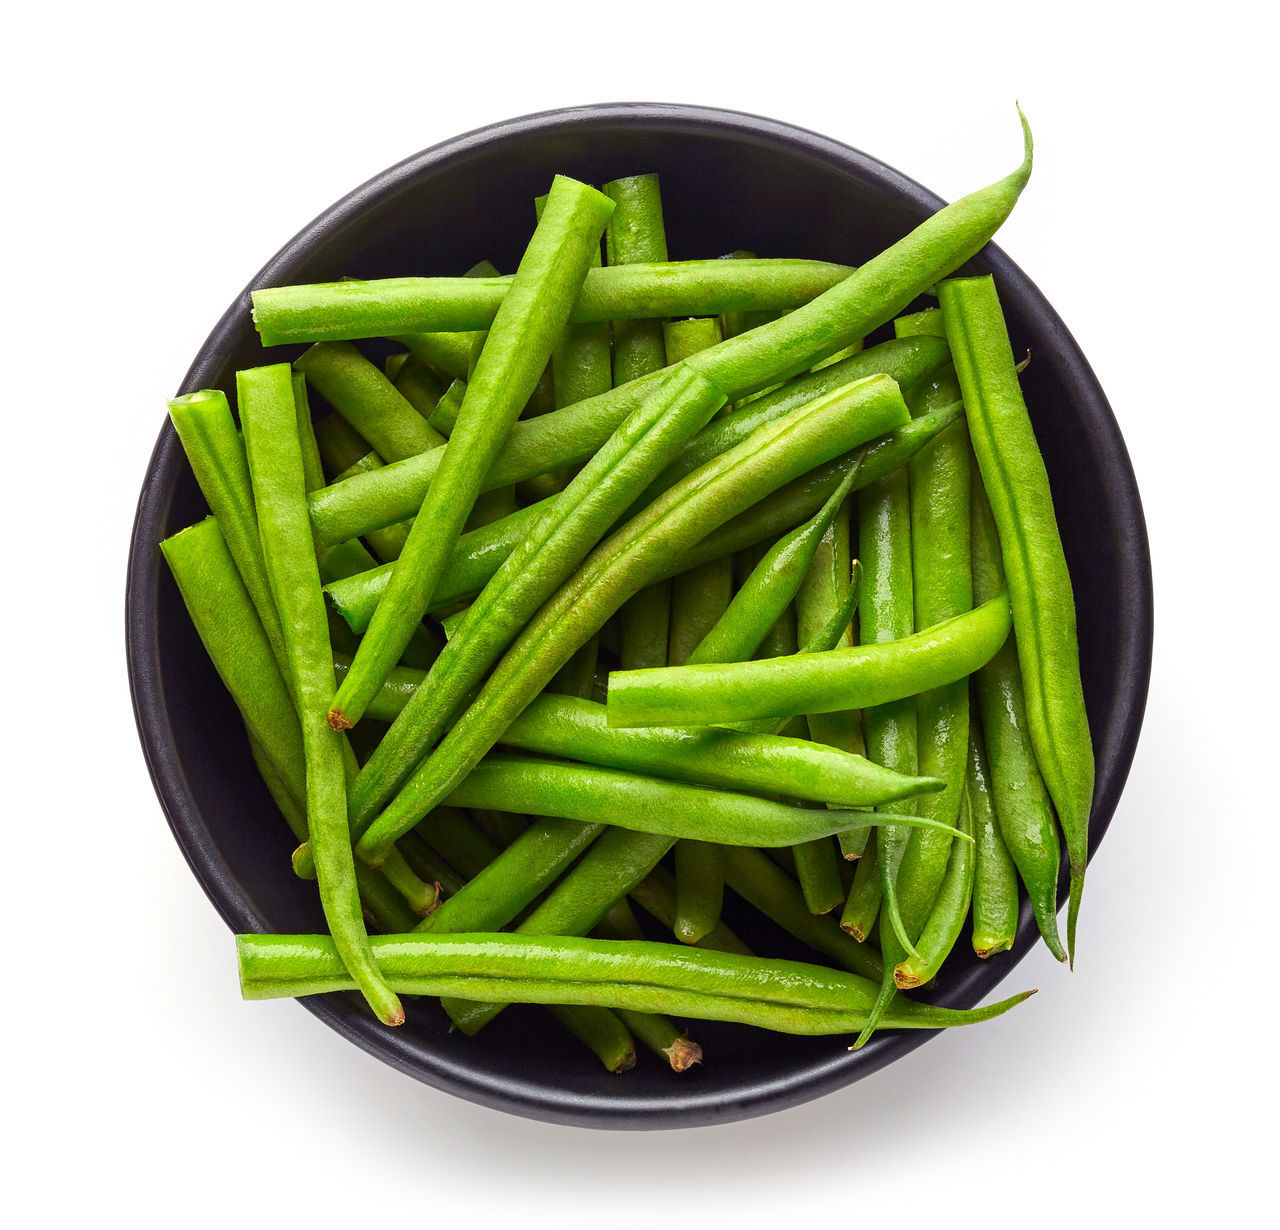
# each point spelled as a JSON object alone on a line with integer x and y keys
{"x": 662, "y": 582}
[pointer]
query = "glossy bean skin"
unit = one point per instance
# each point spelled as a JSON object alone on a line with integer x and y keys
{"x": 615, "y": 863}
{"x": 362, "y": 394}
{"x": 268, "y": 414}
{"x": 216, "y": 454}
{"x": 995, "y": 878}
{"x": 1017, "y": 485}
{"x": 627, "y": 561}
{"x": 594, "y": 794}
{"x": 636, "y": 234}
{"x": 555, "y": 545}
{"x": 788, "y": 996}
{"x": 1021, "y": 801}
{"x": 394, "y": 307}
{"x": 863, "y": 676}
{"x": 519, "y": 343}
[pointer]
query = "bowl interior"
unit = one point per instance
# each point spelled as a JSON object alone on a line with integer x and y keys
{"x": 728, "y": 182}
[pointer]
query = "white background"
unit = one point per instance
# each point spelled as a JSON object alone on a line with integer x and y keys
{"x": 159, "y": 154}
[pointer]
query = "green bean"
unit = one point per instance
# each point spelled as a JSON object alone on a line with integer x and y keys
{"x": 613, "y": 865}
{"x": 630, "y": 559}
{"x": 275, "y": 468}
{"x": 995, "y": 879}
{"x": 602, "y": 1031}
{"x": 699, "y": 598}
{"x": 1040, "y": 593}
{"x": 445, "y": 415}
{"x": 519, "y": 343}
{"x": 577, "y": 675}
{"x": 363, "y": 395}
{"x": 862, "y": 906}
{"x": 421, "y": 896}
{"x": 451, "y": 833}
{"x": 699, "y": 889}
{"x": 942, "y": 588}
{"x": 1018, "y": 794}
{"x": 428, "y": 866}
{"x": 554, "y": 547}
{"x": 531, "y": 864}
{"x": 490, "y": 506}
{"x": 448, "y": 353}
{"x": 574, "y": 434}
{"x": 419, "y": 386}
{"x": 228, "y": 624}
{"x": 759, "y": 880}
{"x": 577, "y": 730}
{"x": 656, "y": 1031}
{"x": 635, "y": 235}
{"x": 394, "y": 307}
{"x": 946, "y": 919}
{"x": 787, "y": 996}
{"x": 595, "y": 794}
{"x": 681, "y": 338}
{"x": 656, "y": 894}
{"x": 501, "y": 827}
{"x": 646, "y": 623}
{"x": 866, "y": 675}
{"x": 869, "y": 296}
{"x": 216, "y": 454}
{"x": 476, "y": 557}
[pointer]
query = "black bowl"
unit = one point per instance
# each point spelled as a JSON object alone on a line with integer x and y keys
{"x": 728, "y": 181}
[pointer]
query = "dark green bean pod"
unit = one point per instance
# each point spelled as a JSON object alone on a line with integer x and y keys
{"x": 417, "y": 384}
{"x": 995, "y": 878}
{"x": 656, "y": 895}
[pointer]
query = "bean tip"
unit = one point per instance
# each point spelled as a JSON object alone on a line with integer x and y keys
{"x": 683, "y": 1053}
{"x": 338, "y": 720}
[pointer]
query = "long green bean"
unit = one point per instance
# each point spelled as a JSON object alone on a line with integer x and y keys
{"x": 276, "y": 470}
{"x": 995, "y": 878}
{"x": 635, "y": 235}
{"x": 1015, "y": 479}
{"x": 519, "y": 344}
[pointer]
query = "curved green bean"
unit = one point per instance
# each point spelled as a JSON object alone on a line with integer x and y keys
{"x": 862, "y": 676}
{"x": 276, "y": 469}
{"x": 1014, "y": 476}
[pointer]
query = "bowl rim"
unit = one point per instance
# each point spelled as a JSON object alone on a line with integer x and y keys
{"x": 689, "y": 1107}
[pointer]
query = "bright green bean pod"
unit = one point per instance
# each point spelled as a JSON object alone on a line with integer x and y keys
{"x": 531, "y": 864}
{"x": 555, "y": 545}
{"x": 1023, "y": 810}
{"x": 447, "y": 353}
{"x": 595, "y": 794}
{"x": 681, "y": 338}
{"x": 635, "y": 235}
{"x": 787, "y": 996}
{"x": 428, "y": 866}
{"x": 630, "y": 559}
{"x": 699, "y": 889}
{"x": 520, "y": 341}
{"x": 445, "y": 415}
{"x": 576, "y": 729}
{"x": 945, "y": 921}
{"x": 699, "y": 598}
{"x": 216, "y": 454}
{"x": 276, "y": 470}
{"x": 871, "y": 295}
{"x": 396, "y": 307}
{"x": 613, "y": 865}
{"x": 346, "y": 453}
{"x": 363, "y": 395}
{"x": 1017, "y": 484}
{"x": 862, "y": 906}
{"x": 863, "y": 676}
{"x": 995, "y": 879}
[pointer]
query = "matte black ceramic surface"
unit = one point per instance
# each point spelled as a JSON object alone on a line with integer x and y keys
{"x": 729, "y": 181}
